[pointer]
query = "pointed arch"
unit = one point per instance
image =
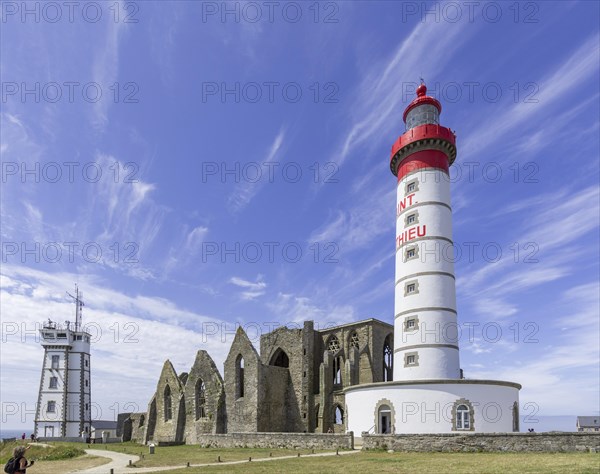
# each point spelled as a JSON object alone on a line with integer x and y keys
{"x": 388, "y": 359}
{"x": 167, "y": 402}
{"x": 239, "y": 376}
{"x": 338, "y": 414}
{"x": 280, "y": 359}
{"x": 200, "y": 399}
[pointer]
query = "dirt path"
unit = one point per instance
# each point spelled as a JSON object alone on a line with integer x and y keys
{"x": 120, "y": 461}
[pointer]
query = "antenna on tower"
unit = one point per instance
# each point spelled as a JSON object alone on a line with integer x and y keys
{"x": 78, "y": 298}
{"x": 422, "y": 80}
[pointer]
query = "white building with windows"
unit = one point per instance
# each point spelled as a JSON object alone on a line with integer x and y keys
{"x": 64, "y": 400}
{"x": 428, "y": 393}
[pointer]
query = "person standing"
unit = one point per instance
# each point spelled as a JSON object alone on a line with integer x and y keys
{"x": 21, "y": 460}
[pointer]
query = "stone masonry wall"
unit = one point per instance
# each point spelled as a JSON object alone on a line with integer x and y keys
{"x": 481, "y": 442}
{"x": 278, "y": 440}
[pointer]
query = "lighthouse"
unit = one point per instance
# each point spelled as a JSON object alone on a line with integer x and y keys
{"x": 428, "y": 393}
{"x": 64, "y": 399}
{"x": 425, "y": 328}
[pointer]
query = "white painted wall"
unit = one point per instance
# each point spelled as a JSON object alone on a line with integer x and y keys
{"x": 427, "y": 408}
{"x": 438, "y": 290}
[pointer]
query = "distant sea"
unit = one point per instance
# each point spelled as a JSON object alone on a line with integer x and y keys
{"x": 4, "y": 433}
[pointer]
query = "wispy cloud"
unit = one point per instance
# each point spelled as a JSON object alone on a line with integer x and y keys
{"x": 380, "y": 97}
{"x": 252, "y": 290}
{"x": 246, "y": 190}
{"x": 577, "y": 68}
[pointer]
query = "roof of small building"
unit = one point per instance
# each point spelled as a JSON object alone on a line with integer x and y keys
{"x": 104, "y": 425}
{"x": 588, "y": 421}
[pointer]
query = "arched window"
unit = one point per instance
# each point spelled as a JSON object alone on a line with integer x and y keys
{"x": 337, "y": 370}
{"x": 462, "y": 418}
{"x": 142, "y": 420}
{"x": 463, "y": 415}
{"x": 200, "y": 399}
{"x": 338, "y": 415}
{"x": 280, "y": 359}
{"x": 333, "y": 344}
{"x": 239, "y": 377}
{"x": 168, "y": 406}
{"x": 388, "y": 359}
{"x": 354, "y": 341}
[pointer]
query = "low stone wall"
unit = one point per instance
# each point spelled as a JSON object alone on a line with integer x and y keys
{"x": 277, "y": 440}
{"x": 480, "y": 442}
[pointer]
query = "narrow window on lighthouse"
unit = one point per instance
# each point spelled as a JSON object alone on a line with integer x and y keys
{"x": 411, "y": 219}
{"x": 411, "y": 187}
{"x": 53, "y": 382}
{"x": 411, "y": 288}
{"x": 411, "y": 359}
{"x": 55, "y": 360}
{"x": 411, "y": 253}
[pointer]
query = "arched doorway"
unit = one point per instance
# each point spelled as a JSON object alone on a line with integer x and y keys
{"x": 385, "y": 419}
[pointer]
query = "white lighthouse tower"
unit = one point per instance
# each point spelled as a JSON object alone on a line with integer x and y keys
{"x": 64, "y": 400}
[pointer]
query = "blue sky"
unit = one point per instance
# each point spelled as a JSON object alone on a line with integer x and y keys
{"x": 194, "y": 179}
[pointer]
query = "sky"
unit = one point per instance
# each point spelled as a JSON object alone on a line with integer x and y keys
{"x": 197, "y": 166}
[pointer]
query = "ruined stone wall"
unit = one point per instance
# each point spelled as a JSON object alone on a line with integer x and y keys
{"x": 210, "y": 419}
{"x": 133, "y": 428}
{"x": 242, "y": 412}
{"x": 162, "y": 427}
{"x": 278, "y": 440}
{"x": 480, "y": 442}
{"x": 277, "y": 410}
{"x": 297, "y": 344}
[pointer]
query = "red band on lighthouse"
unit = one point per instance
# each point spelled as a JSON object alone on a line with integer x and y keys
{"x": 422, "y": 160}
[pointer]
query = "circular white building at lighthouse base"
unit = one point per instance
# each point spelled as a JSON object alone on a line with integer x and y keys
{"x": 433, "y": 406}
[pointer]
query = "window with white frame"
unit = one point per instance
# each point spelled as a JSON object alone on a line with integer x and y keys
{"x": 462, "y": 417}
{"x": 53, "y": 382}
{"x": 55, "y": 361}
{"x": 51, "y": 407}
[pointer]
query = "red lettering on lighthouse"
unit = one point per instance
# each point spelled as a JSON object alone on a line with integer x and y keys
{"x": 411, "y": 234}
{"x": 406, "y": 202}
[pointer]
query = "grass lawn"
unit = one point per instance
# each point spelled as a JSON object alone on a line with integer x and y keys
{"x": 362, "y": 462}
{"x": 426, "y": 463}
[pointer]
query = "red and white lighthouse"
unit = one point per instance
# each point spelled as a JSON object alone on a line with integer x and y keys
{"x": 425, "y": 331}
{"x": 428, "y": 393}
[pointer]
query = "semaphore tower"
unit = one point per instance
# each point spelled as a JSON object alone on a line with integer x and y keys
{"x": 64, "y": 400}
